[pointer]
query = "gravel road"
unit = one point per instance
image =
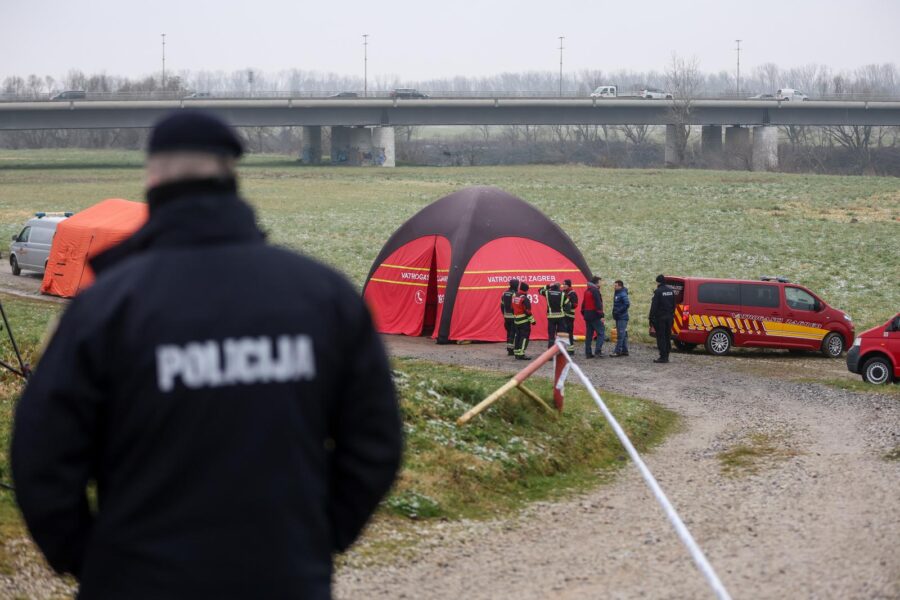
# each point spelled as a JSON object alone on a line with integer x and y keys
{"x": 26, "y": 285}
{"x": 821, "y": 522}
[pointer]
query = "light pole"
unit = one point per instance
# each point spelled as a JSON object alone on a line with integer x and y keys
{"x": 164, "y": 61}
{"x": 365, "y": 65}
{"x": 561, "y": 38}
{"x": 738, "y": 67}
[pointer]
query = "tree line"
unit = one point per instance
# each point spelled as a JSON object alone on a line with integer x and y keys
{"x": 876, "y": 80}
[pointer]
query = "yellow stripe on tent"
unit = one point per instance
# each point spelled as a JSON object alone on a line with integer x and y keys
{"x": 400, "y": 282}
{"x": 387, "y": 266}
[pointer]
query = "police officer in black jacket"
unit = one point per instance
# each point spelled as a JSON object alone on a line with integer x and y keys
{"x": 662, "y": 316}
{"x": 509, "y": 319}
{"x": 236, "y": 442}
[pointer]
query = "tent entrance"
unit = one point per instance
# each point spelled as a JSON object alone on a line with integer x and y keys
{"x": 431, "y": 300}
{"x": 405, "y": 291}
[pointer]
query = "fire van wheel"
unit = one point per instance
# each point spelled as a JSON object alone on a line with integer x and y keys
{"x": 877, "y": 370}
{"x": 718, "y": 342}
{"x": 833, "y": 345}
{"x": 14, "y": 265}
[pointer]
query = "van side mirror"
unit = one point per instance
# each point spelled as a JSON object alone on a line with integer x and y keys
{"x": 895, "y": 324}
{"x": 15, "y": 237}
{"x": 817, "y": 305}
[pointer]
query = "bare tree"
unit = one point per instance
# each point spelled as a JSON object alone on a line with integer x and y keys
{"x": 484, "y": 131}
{"x": 683, "y": 80}
{"x": 407, "y": 132}
{"x": 636, "y": 134}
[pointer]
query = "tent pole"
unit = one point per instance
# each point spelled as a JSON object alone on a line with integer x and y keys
{"x": 24, "y": 371}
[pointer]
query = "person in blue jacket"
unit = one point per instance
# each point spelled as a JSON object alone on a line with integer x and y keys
{"x": 235, "y": 442}
{"x": 621, "y": 304}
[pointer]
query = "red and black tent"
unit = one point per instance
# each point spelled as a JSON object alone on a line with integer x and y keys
{"x": 443, "y": 271}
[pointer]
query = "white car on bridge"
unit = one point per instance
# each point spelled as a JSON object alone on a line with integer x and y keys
{"x": 651, "y": 93}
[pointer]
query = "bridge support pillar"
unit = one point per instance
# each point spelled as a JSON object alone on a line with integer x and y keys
{"x": 311, "y": 148}
{"x": 737, "y": 147}
{"x": 363, "y": 146}
{"x": 765, "y": 148}
{"x": 672, "y": 158}
{"x": 711, "y": 145}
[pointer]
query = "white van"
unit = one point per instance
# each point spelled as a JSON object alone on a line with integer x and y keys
{"x": 788, "y": 95}
{"x": 605, "y": 91}
{"x": 30, "y": 249}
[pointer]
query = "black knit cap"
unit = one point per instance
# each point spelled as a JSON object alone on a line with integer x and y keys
{"x": 194, "y": 130}
{"x": 660, "y": 279}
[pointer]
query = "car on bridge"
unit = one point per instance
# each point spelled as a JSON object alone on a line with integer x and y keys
{"x": 763, "y": 97}
{"x": 70, "y": 95}
{"x": 407, "y": 93}
{"x": 790, "y": 94}
{"x": 651, "y": 93}
{"x": 605, "y": 91}
{"x": 875, "y": 353}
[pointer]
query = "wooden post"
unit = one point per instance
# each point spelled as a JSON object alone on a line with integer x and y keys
{"x": 517, "y": 379}
{"x": 487, "y": 401}
{"x": 536, "y": 398}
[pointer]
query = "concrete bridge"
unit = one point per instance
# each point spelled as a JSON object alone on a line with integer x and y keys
{"x": 362, "y": 128}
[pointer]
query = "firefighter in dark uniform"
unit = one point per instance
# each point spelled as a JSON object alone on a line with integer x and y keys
{"x": 236, "y": 443}
{"x": 569, "y": 311}
{"x": 509, "y": 319}
{"x": 523, "y": 321}
{"x": 557, "y": 302}
{"x": 662, "y": 317}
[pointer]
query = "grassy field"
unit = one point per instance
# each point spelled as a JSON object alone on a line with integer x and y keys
{"x": 837, "y": 235}
{"x": 515, "y": 452}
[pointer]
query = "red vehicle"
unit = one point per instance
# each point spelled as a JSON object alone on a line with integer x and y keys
{"x": 875, "y": 354}
{"x": 769, "y": 313}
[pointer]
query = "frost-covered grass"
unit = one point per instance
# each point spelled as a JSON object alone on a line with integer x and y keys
{"x": 30, "y": 320}
{"x": 513, "y": 453}
{"x": 838, "y": 235}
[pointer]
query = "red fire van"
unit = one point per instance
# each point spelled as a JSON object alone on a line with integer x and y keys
{"x": 876, "y": 353}
{"x": 769, "y": 313}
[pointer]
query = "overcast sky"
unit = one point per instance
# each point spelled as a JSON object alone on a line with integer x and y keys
{"x": 421, "y": 39}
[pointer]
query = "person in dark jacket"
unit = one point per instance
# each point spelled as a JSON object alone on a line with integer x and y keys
{"x": 662, "y": 316}
{"x": 509, "y": 319}
{"x": 557, "y": 302}
{"x": 569, "y": 310}
{"x": 523, "y": 320}
{"x": 594, "y": 318}
{"x": 236, "y": 443}
{"x": 621, "y": 304}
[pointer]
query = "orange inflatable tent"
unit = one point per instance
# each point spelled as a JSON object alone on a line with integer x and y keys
{"x": 85, "y": 235}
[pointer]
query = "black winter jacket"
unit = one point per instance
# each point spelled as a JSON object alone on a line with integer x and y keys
{"x": 229, "y": 398}
{"x": 663, "y": 304}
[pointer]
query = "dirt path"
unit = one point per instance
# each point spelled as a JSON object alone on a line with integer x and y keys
{"x": 26, "y": 285}
{"x": 821, "y": 522}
